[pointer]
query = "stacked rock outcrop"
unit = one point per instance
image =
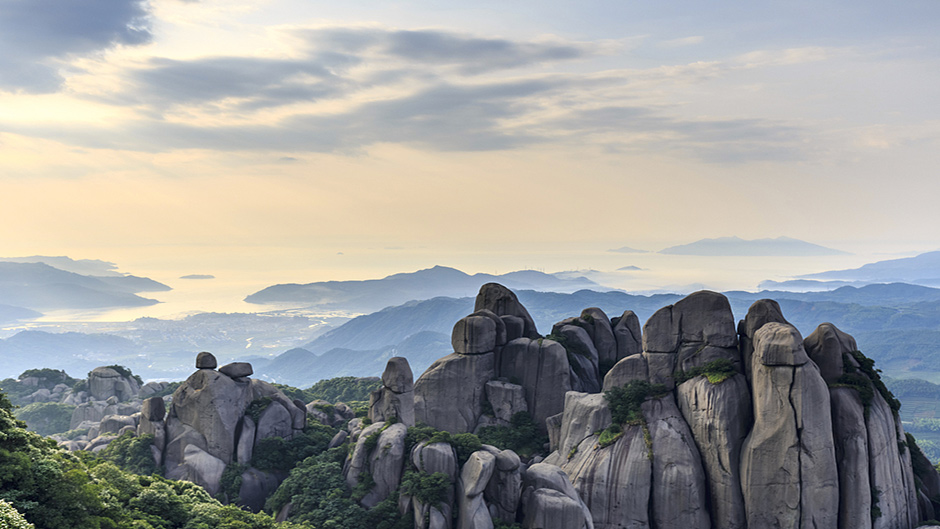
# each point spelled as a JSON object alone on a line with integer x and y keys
{"x": 742, "y": 426}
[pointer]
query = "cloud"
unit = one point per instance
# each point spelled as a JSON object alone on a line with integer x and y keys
{"x": 685, "y": 41}
{"x": 35, "y": 33}
{"x": 469, "y": 54}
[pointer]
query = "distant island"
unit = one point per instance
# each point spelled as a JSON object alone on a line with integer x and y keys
{"x": 627, "y": 249}
{"x": 629, "y": 268}
{"x": 198, "y": 276}
{"x": 737, "y": 247}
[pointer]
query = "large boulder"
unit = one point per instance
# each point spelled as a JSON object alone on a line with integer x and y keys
{"x": 582, "y": 357}
{"x": 450, "y": 394}
{"x": 503, "y": 302}
{"x": 627, "y": 370}
{"x": 212, "y": 404}
{"x": 481, "y": 332}
{"x": 826, "y": 346}
{"x": 505, "y": 399}
{"x": 614, "y": 481}
{"x": 719, "y": 416}
{"x": 789, "y": 476}
{"x": 851, "y": 441}
{"x": 761, "y": 312}
{"x": 505, "y": 486}
{"x": 105, "y": 382}
{"x": 584, "y": 415}
{"x": 386, "y": 463}
{"x": 541, "y": 367}
{"x": 472, "y": 512}
{"x": 549, "y": 501}
{"x": 396, "y": 397}
{"x": 678, "y": 497}
{"x": 628, "y": 334}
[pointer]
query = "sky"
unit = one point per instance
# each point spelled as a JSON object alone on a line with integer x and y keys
{"x": 312, "y": 140}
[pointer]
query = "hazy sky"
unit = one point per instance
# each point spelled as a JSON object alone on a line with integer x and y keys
{"x": 254, "y": 130}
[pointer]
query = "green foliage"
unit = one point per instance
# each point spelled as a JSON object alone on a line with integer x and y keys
{"x": 919, "y": 461}
{"x": 48, "y": 378}
{"x": 276, "y": 454}
{"x": 625, "y": 401}
{"x": 522, "y": 437}
{"x": 318, "y": 495}
{"x": 342, "y": 389}
{"x": 867, "y": 366}
{"x": 430, "y": 489}
{"x": 364, "y": 484}
{"x": 54, "y": 489}
{"x": 256, "y": 408}
{"x": 610, "y": 435}
{"x": 499, "y": 524}
{"x": 859, "y": 383}
{"x": 131, "y": 453}
{"x": 46, "y": 418}
{"x": 10, "y": 518}
{"x": 231, "y": 481}
{"x": 716, "y": 371}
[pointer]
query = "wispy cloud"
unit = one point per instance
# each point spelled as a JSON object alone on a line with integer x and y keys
{"x": 34, "y": 34}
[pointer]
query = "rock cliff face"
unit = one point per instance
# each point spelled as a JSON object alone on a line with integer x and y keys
{"x": 742, "y": 426}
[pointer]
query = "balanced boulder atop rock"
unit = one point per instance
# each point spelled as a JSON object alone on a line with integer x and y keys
{"x": 205, "y": 360}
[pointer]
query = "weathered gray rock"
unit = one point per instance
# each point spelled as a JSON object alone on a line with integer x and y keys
{"x": 475, "y": 334}
{"x": 719, "y": 416}
{"x": 386, "y": 463}
{"x": 551, "y": 478}
{"x": 826, "y": 346}
{"x": 450, "y": 394}
{"x": 678, "y": 498}
{"x": 503, "y": 302}
{"x": 628, "y": 369}
{"x": 887, "y": 476}
{"x": 628, "y": 334}
{"x": 515, "y": 327}
{"x": 584, "y": 415}
{"x": 851, "y": 442}
{"x": 104, "y": 383}
{"x": 506, "y": 399}
{"x": 245, "y": 445}
{"x": 212, "y": 404}
{"x": 92, "y": 411}
{"x": 202, "y": 468}
{"x": 553, "y": 425}
{"x": 789, "y": 475}
{"x": 396, "y": 396}
{"x": 114, "y": 423}
{"x": 615, "y": 482}
{"x": 359, "y": 460}
{"x": 504, "y": 487}
{"x": 761, "y": 312}
{"x": 261, "y": 390}
{"x": 661, "y": 367}
{"x": 256, "y": 487}
{"x": 661, "y": 332}
{"x": 582, "y": 357}
{"x": 206, "y": 360}
{"x": 550, "y": 509}
{"x": 150, "y": 388}
{"x": 472, "y": 512}
{"x": 275, "y": 421}
{"x": 541, "y": 367}
{"x": 338, "y": 439}
{"x": 237, "y": 369}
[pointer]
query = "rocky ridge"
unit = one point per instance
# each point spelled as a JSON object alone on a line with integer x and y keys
{"x": 730, "y": 426}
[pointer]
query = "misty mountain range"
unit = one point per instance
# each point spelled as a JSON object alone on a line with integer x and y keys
{"x": 38, "y": 287}
{"x": 375, "y": 294}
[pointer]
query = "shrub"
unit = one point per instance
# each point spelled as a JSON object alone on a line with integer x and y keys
{"x": 10, "y": 518}
{"x": 716, "y": 371}
{"x": 46, "y": 418}
{"x": 276, "y": 454}
{"x": 131, "y": 453}
{"x": 625, "y": 401}
{"x": 522, "y": 436}
{"x": 430, "y": 489}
